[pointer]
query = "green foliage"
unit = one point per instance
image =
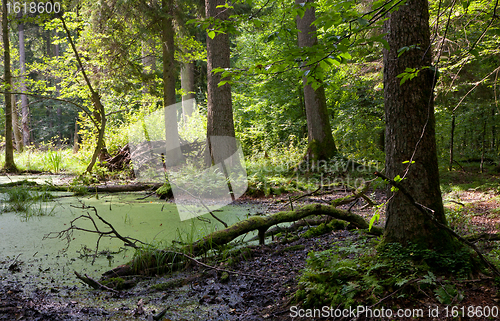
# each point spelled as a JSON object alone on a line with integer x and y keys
{"x": 47, "y": 160}
{"x": 458, "y": 262}
{"x": 324, "y": 228}
{"x": 28, "y": 203}
{"x": 460, "y": 219}
{"x": 53, "y": 158}
{"x": 152, "y": 260}
{"x": 448, "y": 294}
{"x": 354, "y": 275}
{"x": 164, "y": 191}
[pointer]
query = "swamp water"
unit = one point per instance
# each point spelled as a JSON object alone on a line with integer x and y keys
{"x": 50, "y": 262}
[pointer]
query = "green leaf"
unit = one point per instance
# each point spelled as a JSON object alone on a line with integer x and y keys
{"x": 211, "y": 34}
{"x": 375, "y": 217}
{"x": 346, "y": 55}
{"x": 218, "y": 69}
{"x": 362, "y": 22}
{"x": 377, "y": 4}
{"x": 384, "y": 43}
{"x": 401, "y": 282}
{"x": 324, "y": 65}
{"x": 328, "y": 24}
{"x": 226, "y": 5}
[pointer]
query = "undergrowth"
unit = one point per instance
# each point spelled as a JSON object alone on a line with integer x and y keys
{"x": 28, "y": 203}
{"x": 362, "y": 275}
{"x": 284, "y": 169}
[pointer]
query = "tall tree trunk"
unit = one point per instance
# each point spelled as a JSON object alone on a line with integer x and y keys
{"x": 149, "y": 64}
{"x": 173, "y": 153}
{"x": 18, "y": 137}
{"x": 76, "y": 145}
{"x": 321, "y": 143}
{"x": 59, "y": 107}
{"x": 452, "y": 138}
{"x": 187, "y": 85}
{"x": 9, "y": 166}
{"x": 22, "y": 78}
{"x": 410, "y": 131}
{"x": 220, "y": 121}
{"x": 493, "y": 129}
{"x": 483, "y": 147}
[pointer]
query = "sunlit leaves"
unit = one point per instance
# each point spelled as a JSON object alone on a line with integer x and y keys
{"x": 408, "y": 74}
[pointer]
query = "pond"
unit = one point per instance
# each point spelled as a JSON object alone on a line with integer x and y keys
{"x": 50, "y": 262}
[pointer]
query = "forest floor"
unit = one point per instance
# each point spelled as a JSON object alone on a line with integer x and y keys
{"x": 261, "y": 284}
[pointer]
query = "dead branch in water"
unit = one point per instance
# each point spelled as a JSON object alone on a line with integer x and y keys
{"x": 67, "y": 234}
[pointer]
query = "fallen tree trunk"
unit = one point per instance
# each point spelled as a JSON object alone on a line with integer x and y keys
{"x": 483, "y": 236}
{"x": 123, "y": 188}
{"x": 100, "y": 188}
{"x": 165, "y": 260}
{"x": 262, "y": 223}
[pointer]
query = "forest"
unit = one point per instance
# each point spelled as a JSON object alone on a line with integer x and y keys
{"x": 250, "y": 160}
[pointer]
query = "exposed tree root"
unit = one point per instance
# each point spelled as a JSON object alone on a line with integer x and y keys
{"x": 424, "y": 210}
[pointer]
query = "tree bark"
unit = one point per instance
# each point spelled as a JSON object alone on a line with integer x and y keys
{"x": 173, "y": 155}
{"x": 9, "y": 166}
{"x": 25, "y": 112}
{"x": 452, "y": 138}
{"x": 410, "y": 131}
{"x": 483, "y": 143}
{"x": 59, "y": 107}
{"x": 219, "y": 103}
{"x": 76, "y": 145}
{"x": 187, "y": 85}
{"x": 149, "y": 65}
{"x": 18, "y": 137}
{"x": 320, "y": 138}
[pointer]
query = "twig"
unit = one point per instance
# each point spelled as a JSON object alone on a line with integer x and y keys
{"x": 203, "y": 204}
{"x": 425, "y": 210}
{"x": 112, "y": 233}
{"x": 291, "y": 200}
{"x": 451, "y": 201}
{"x": 126, "y": 240}
{"x": 94, "y": 284}
{"x": 459, "y": 165}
